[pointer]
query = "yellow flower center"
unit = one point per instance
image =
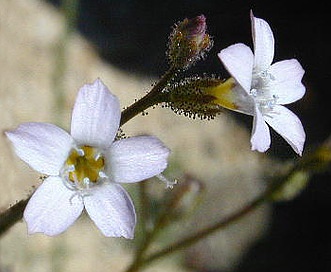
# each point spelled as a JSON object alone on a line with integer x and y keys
{"x": 83, "y": 167}
{"x": 223, "y": 94}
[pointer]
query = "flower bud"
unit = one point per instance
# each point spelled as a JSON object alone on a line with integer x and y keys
{"x": 188, "y": 42}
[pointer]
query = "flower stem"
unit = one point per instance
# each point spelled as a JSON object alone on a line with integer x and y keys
{"x": 152, "y": 98}
{"x": 12, "y": 215}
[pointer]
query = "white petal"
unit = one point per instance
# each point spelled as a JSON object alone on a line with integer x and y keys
{"x": 260, "y": 139}
{"x": 112, "y": 210}
{"x": 244, "y": 102}
{"x": 96, "y": 115}
{"x": 137, "y": 158}
{"x": 264, "y": 44}
{"x": 287, "y": 85}
{"x": 52, "y": 208}
{"x": 43, "y": 146}
{"x": 289, "y": 126}
{"x": 238, "y": 60}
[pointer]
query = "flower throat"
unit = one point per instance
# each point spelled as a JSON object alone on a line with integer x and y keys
{"x": 84, "y": 167}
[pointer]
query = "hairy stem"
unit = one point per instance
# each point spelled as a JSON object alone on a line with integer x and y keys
{"x": 152, "y": 98}
{"x": 12, "y": 215}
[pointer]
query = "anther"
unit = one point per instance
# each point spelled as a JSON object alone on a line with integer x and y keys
{"x": 97, "y": 156}
{"x": 70, "y": 168}
{"x": 86, "y": 182}
{"x": 169, "y": 183}
{"x": 253, "y": 92}
{"x": 80, "y": 152}
{"x": 102, "y": 174}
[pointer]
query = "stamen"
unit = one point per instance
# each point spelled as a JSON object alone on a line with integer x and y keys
{"x": 253, "y": 92}
{"x": 98, "y": 156}
{"x": 266, "y": 76}
{"x": 80, "y": 152}
{"x": 169, "y": 184}
{"x": 69, "y": 185}
{"x": 86, "y": 182}
{"x": 102, "y": 174}
{"x": 70, "y": 168}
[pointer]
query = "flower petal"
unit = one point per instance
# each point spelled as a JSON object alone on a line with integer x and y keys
{"x": 137, "y": 158}
{"x": 289, "y": 126}
{"x": 260, "y": 139}
{"x": 287, "y": 85}
{"x": 264, "y": 44}
{"x": 238, "y": 60}
{"x": 43, "y": 146}
{"x": 52, "y": 208}
{"x": 112, "y": 210}
{"x": 96, "y": 115}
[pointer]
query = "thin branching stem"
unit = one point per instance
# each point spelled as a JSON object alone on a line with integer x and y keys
{"x": 160, "y": 223}
{"x": 188, "y": 241}
{"x": 141, "y": 261}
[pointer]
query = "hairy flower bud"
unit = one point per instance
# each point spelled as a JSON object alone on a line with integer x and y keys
{"x": 195, "y": 97}
{"x": 189, "y": 42}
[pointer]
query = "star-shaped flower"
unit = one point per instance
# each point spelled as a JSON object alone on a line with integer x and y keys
{"x": 259, "y": 88}
{"x": 85, "y": 168}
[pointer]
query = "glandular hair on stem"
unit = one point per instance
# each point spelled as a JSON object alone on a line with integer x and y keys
{"x": 190, "y": 99}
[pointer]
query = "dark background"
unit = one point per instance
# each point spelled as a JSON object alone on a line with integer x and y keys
{"x": 133, "y": 36}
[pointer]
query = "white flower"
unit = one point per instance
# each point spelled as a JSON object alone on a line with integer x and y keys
{"x": 86, "y": 167}
{"x": 261, "y": 88}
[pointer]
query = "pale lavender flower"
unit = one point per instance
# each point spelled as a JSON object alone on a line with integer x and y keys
{"x": 261, "y": 88}
{"x": 85, "y": 168}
